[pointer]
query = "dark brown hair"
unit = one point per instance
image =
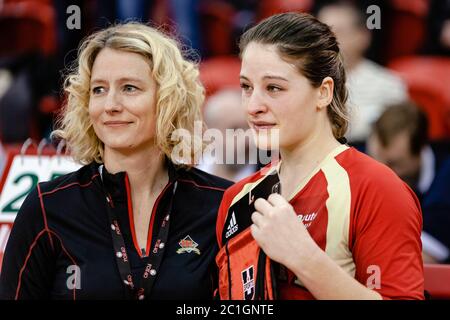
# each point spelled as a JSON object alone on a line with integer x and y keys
{"x": 399, "y": 118}
{"x": 312, "y": 47}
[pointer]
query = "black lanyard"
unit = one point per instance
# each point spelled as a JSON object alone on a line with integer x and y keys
{"x": 144, "y": 288}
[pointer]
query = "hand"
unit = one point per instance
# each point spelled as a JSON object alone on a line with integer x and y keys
{"x": 280, "y": 233}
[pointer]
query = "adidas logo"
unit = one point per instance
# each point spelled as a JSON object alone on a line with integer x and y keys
{"x": 232, "y": 227}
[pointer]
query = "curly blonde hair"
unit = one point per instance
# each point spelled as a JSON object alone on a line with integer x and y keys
{"x": 179, "y": 94}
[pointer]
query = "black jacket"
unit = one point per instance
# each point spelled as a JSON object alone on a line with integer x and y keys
{"x": 60, "y": 246}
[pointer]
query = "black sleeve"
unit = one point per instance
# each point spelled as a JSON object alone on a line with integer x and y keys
{"x": 28, "y": 262}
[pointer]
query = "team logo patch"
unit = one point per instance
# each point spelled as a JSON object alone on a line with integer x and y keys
{"x": 188, "y": 245}
{"x": 248, "y": 283}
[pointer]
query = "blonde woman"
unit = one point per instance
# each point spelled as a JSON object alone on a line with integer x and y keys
{"x": 131, "y": 223}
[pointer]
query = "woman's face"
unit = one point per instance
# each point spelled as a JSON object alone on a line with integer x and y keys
{"x": 122, "y": 100}
{"x": 277, "y": 96}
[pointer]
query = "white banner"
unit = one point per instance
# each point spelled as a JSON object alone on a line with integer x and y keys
{"x": 25, "y": 172}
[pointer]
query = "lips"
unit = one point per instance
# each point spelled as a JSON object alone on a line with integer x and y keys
{"x": 116, "y": 123}
{"x": 260, "y": 125}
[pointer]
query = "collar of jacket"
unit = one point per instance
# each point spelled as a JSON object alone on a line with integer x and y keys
{"x": 115, "y": 184}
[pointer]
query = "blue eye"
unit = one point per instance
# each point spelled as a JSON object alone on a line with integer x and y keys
{"x": 129, "y": 88}
{"x": 98, "y": 90}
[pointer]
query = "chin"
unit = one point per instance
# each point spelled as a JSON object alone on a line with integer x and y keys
{"x": 120, "y": 145}
{"x": 267, "y": 141}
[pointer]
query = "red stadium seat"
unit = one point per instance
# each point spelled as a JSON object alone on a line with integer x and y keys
{"x": 27, "y": 26}
{"x": 49, "y": 2}
{"x": 437, "y": 280}
{"x": 217, "y": 27}
{"x": 270, "y": 7}
{"x": 220, "y": 72}
{"x": 407, "y": 28}
{"x": 427, "y": 79}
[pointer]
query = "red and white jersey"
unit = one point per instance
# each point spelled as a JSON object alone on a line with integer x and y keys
{"x": 362, "y": 215}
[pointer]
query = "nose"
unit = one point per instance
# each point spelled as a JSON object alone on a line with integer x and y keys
{"x": 255, "y": 103}
{"x": 113, "y": 102}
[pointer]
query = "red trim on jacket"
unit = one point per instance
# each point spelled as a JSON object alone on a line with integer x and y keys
{"x": 72, "y": 184}
{"x": 30, "y": 249}
{"x": 200, "y": 186}
{"x": 131, "y": 216}
{"x": 152, "y": 219}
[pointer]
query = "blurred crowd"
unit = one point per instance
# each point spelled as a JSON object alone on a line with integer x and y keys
{"x": 398, "y": 76}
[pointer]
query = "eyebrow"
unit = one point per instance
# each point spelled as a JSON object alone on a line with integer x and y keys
{"x": 123, "y": 79}
{"x": 270, "y": 77}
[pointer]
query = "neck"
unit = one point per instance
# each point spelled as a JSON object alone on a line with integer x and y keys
{"x": 228, "y": 171}
{"x": 304, "y": 157}
{"x": 145, "y": 168}
{"x": 307, "y": 155}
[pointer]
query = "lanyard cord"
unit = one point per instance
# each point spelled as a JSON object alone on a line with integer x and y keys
{"x": 155, "y": 256}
